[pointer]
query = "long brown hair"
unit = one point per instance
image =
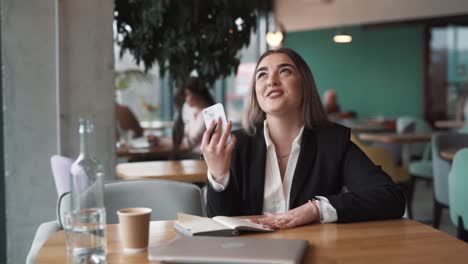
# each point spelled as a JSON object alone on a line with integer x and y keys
{"x": 313, "y": 113}
{"x": 201, "y": 92}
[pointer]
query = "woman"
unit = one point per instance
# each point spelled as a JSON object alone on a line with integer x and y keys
{"x": 289, "y": 162}
{"x": 197, "y": 97}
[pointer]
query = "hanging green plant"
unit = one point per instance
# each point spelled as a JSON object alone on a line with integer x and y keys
{"x": 123, "y": 78}
{"x": 183, "y": 36}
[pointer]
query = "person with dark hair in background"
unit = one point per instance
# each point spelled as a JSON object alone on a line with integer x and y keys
{"x": 196, "y": 95}
{"x": 126, "y": 120}
{"x": 290, "y": 163}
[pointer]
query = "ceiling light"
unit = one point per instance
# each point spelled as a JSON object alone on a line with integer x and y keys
{"x": 274, "y": 38}
{"x": 275, "y": 31}
{"x": 342, "y": 38}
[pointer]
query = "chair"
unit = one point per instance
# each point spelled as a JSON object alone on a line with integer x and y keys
{"x": 441, "y": 169}
{"x": 458, "y": 196}
{"x": 420, "y": 170}
{"x": 382, "y": 157}
{"x": 165, "y": 198}
{"x": 61, "y": 171}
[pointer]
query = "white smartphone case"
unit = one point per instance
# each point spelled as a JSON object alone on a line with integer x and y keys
{"x": 214, "y": 112}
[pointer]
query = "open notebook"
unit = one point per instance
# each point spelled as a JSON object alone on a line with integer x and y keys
{"x": 192, "y": 225}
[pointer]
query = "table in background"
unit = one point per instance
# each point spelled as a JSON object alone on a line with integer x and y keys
{"x": 449, "y": 124}
{"x": 393, "y": 241}
{"x": 156, "y": 125}
{"x": 371, "y": 126}
{"x": 365, "y": 127}
{"x": 399, "y": 138}
{"x": 163, "y": 150}
{"x": 193, "y": 171}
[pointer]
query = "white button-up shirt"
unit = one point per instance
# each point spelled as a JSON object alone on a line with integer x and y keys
{"x": 276, "y": 192}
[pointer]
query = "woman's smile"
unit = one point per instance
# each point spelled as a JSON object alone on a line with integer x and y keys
{"x": 274, "y": 93}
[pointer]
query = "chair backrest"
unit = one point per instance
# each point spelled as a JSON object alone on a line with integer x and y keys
{"x": 381, "y": 157}
{"x": 61, "y": 171}
{"x": 441, "y": 167}
{"x": 458, "y": 184}
{"x": 421, "y": 125}
{"x": 166, "y": 198}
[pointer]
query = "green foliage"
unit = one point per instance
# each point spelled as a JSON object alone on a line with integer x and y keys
{"x": 123, "y": 78}
{"x": 186, "y": 35}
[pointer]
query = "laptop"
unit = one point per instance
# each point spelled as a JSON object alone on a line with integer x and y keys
{"x": 230, "y": 250}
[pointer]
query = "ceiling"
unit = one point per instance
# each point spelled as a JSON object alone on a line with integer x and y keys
{"x": 301, "y": 15}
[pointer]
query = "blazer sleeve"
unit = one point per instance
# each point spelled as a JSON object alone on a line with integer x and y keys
{"x": 371, "y": 195}
{"x": 227, "y": 202}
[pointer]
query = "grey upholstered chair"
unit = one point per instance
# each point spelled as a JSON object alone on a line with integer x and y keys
{"x": 420, "y": 170}
{"x": 441, "y": 169}
{"x": 166, "y": 198}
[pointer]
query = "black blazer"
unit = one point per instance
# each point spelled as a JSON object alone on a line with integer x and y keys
{"x": 328, "y": 161}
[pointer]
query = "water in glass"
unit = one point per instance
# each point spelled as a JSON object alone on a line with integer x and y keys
{"x": 88, "y": 236}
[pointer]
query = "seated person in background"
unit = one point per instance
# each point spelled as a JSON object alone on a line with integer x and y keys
{"x": 290, "y": 163}
{"x": 330, "y": 101}
{"x": 197, "y": 97}
{"x": 127, "y": 121}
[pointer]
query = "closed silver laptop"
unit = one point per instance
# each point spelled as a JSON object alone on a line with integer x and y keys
{"x": 231, "y": 250}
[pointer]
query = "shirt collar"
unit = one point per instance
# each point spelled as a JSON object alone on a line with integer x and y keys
{"x": 296, "y": 142}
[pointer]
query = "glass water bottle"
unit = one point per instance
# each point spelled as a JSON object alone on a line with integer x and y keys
{"x": 88, "y": 215}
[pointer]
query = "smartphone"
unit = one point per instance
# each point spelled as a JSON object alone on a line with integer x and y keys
{"x": 215, "y": 112}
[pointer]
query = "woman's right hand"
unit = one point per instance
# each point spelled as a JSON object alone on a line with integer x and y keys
{"x": 216, "y": 150}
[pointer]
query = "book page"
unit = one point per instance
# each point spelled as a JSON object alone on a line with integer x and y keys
{"x": 181, "y": 217}
{"x": 196, "y": 224}
{"x": 238, "y": 223}
{"x": 202, "y": 225}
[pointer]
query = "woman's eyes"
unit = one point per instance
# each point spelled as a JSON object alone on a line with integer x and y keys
{"x": 260, "y": 75}
{"x": 285, "y": 71}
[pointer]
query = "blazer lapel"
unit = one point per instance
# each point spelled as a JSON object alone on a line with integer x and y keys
{"x": 304, "y": 165}
{"x": 257, "y": 173}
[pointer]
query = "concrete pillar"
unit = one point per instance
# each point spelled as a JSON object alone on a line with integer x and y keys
{"x": 44, "y": 94}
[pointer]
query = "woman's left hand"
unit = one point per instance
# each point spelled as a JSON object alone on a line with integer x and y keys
{"x": 298, "y": 216}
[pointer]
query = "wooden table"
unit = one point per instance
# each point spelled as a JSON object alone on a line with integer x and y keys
{"x": 164, "y": 149}
{"x": 449, "y": 124}
{"x": 177, "y": 170}
{"x": 399, "y": 138}
{"x": 369, "y": 126}
{"x": 396, "y": 137}
{"x": 365, "y": 127}
{"x": 395, "y": 241}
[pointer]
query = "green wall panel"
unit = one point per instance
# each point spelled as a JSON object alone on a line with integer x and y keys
{"x": 379, "y": 73}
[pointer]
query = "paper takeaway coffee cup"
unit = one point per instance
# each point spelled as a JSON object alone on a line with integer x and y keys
{"x": 134, "y": 228}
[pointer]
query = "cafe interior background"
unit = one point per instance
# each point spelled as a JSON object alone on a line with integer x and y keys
{"x": 60, "y": 59}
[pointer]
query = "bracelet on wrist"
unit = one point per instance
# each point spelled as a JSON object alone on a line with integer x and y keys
{"x": 314, "y": 203}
